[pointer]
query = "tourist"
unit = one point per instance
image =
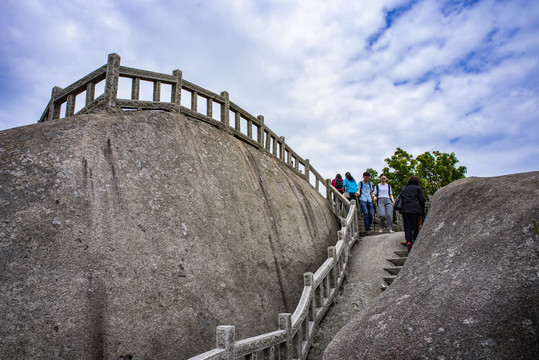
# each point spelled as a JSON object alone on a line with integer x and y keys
{"x": 350, "y": 186}
{"x": 338, "y": 183}
{"x": 383, "y": 196}
{"x": 413, "y": 206}
{"x": 365, "y": 196}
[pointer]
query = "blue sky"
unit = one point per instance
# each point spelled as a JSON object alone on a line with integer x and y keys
{"x": 345, "y": 82}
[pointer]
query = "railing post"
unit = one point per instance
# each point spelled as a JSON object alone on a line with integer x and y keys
{"x": 237, "y": 123}
{"x": 332, "y": 254}
{"x": 176, "y": 93}
{"x": 111, "y": 80}
{"x": 70, "y": 105}
{"x": 308, "y": 278}
{"x": 260, "y": 135}
{"x": 308, "y": 170}
{"x": 226, "y": 339}
{"x": 135, "y": 89}
{"x": 90, "y": 93}
{"x": 282, "y": 152}
{"x": 285, "y": 323}
{"x": 328, "y": 192}
{"x": 225, "y": 111}
{"x": 54, "y": 109}
{"x": 157, "y": 91}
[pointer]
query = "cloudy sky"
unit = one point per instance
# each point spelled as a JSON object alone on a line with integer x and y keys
{"x": 345, "y": 82}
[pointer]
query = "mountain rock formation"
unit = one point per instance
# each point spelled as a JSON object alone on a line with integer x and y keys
{"x": 470, "y": 287}
{"x": 135, "y": 235}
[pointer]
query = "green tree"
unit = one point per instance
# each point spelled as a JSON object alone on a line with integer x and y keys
{"x": 438, "y": 169}
{"x": 400, "y": 166}
{"x": 434, "y": 170}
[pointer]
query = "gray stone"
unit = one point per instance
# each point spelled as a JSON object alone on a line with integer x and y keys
{"x": 469, "y": 289}
{"x": 135, "y": 236}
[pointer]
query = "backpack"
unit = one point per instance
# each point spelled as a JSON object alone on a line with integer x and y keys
{"x": 338, "y": 184}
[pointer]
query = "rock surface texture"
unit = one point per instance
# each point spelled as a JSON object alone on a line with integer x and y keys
{"x": 134, "y": 236}
{"x": 469, "y": 289}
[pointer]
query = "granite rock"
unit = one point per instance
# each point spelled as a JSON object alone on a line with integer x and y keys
{"x": 469, "y": 289}
{"x": 134, "y": 236}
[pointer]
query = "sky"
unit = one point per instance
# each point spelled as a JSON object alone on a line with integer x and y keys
{"x": 345, "y": 82}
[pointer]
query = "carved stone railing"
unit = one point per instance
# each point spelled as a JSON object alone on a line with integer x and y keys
{"x": 296, "y": 331}
{"x": 217, "y": 110}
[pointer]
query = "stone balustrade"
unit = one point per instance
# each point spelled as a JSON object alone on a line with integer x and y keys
{"x": 218, "y": 111}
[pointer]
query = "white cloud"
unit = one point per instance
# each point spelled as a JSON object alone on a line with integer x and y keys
{"x": 463, "y": 80}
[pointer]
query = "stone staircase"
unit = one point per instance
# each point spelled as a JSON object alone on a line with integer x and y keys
{"x": 398, "y": 263}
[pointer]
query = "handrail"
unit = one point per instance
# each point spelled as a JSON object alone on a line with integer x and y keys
{"x": 297, "y": 330}
{"x": 232, "y": 118}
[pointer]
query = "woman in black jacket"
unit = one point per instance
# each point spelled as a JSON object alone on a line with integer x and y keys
{"x": 413, "y": 206}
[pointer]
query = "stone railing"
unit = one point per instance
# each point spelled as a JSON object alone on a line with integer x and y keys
{"x": 204, "y": 105}
{"x": 296, "y": 331}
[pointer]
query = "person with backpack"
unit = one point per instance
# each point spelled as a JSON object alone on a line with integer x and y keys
{"x": 413, "y": 206}
{"x": 365, "y": 201}
{"x": 383, "y": 196}
{"x": 350, "y": 186}
{"x": 338, "y": 183}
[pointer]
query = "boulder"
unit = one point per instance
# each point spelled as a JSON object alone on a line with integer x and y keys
{"x": 134, "y": 236}
{"x": 469, "y": 289}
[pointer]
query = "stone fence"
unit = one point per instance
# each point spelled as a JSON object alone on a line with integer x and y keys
{"x": 296, "y": 331}
{"x": 218, "y": 111}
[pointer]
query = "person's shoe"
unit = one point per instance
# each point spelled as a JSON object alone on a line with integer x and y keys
{"x": 409, "y": 246}
{"x": 391, "y": 231}
{"x": 380, "y": 230}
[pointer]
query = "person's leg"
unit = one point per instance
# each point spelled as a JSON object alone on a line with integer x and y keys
{"x": 389, "y": 214}
{"x": 415, "y": 227}
{"x": 363, "y": 211}
{"x": 408, "y": 232}
{"x": 370, "y": 216}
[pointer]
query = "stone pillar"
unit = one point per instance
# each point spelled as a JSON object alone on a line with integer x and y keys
{"x": 176, "y": 93}
{"x": 237, "y": 122}
{"x": 308, "y": 278}
{"x": 135, "y": 89}
{"x": 157, "y": 91}
{"x": 285, "y": 323}
{"x": 260, "y": 135}
{"x": 90, "y": 93}
{"x": 328, "y": 192}
{"x": 225, "y": 111}
{"x": 226, "y": 339}
{"x": 282, "y": 152}
{"x": 307, "y": 172}
{"x": 332, "y": 254}
{"x": 54, "y": 109}
{"x": 70, "y": 106}
{"x": 111, "y": 81}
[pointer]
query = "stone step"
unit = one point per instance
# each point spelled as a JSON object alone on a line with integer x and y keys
{"x": 401, "y": 253}
{"x": 389, "y": 279}
{"x": 397, "y": 261}
{"x": 393, "y": 270}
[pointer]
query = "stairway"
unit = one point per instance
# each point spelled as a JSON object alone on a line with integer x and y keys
{"x": 398, "y": 263}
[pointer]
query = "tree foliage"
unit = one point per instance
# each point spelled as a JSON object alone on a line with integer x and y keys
{"x": 434, "y": 170}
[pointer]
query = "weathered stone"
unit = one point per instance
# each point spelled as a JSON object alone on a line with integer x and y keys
{"x": 469, "y": 289}
{"x": 135, "y": 236}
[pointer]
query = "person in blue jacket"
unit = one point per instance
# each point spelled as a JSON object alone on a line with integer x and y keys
{"x": 365, "y": 201}
{"x": 350, "y": 186}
